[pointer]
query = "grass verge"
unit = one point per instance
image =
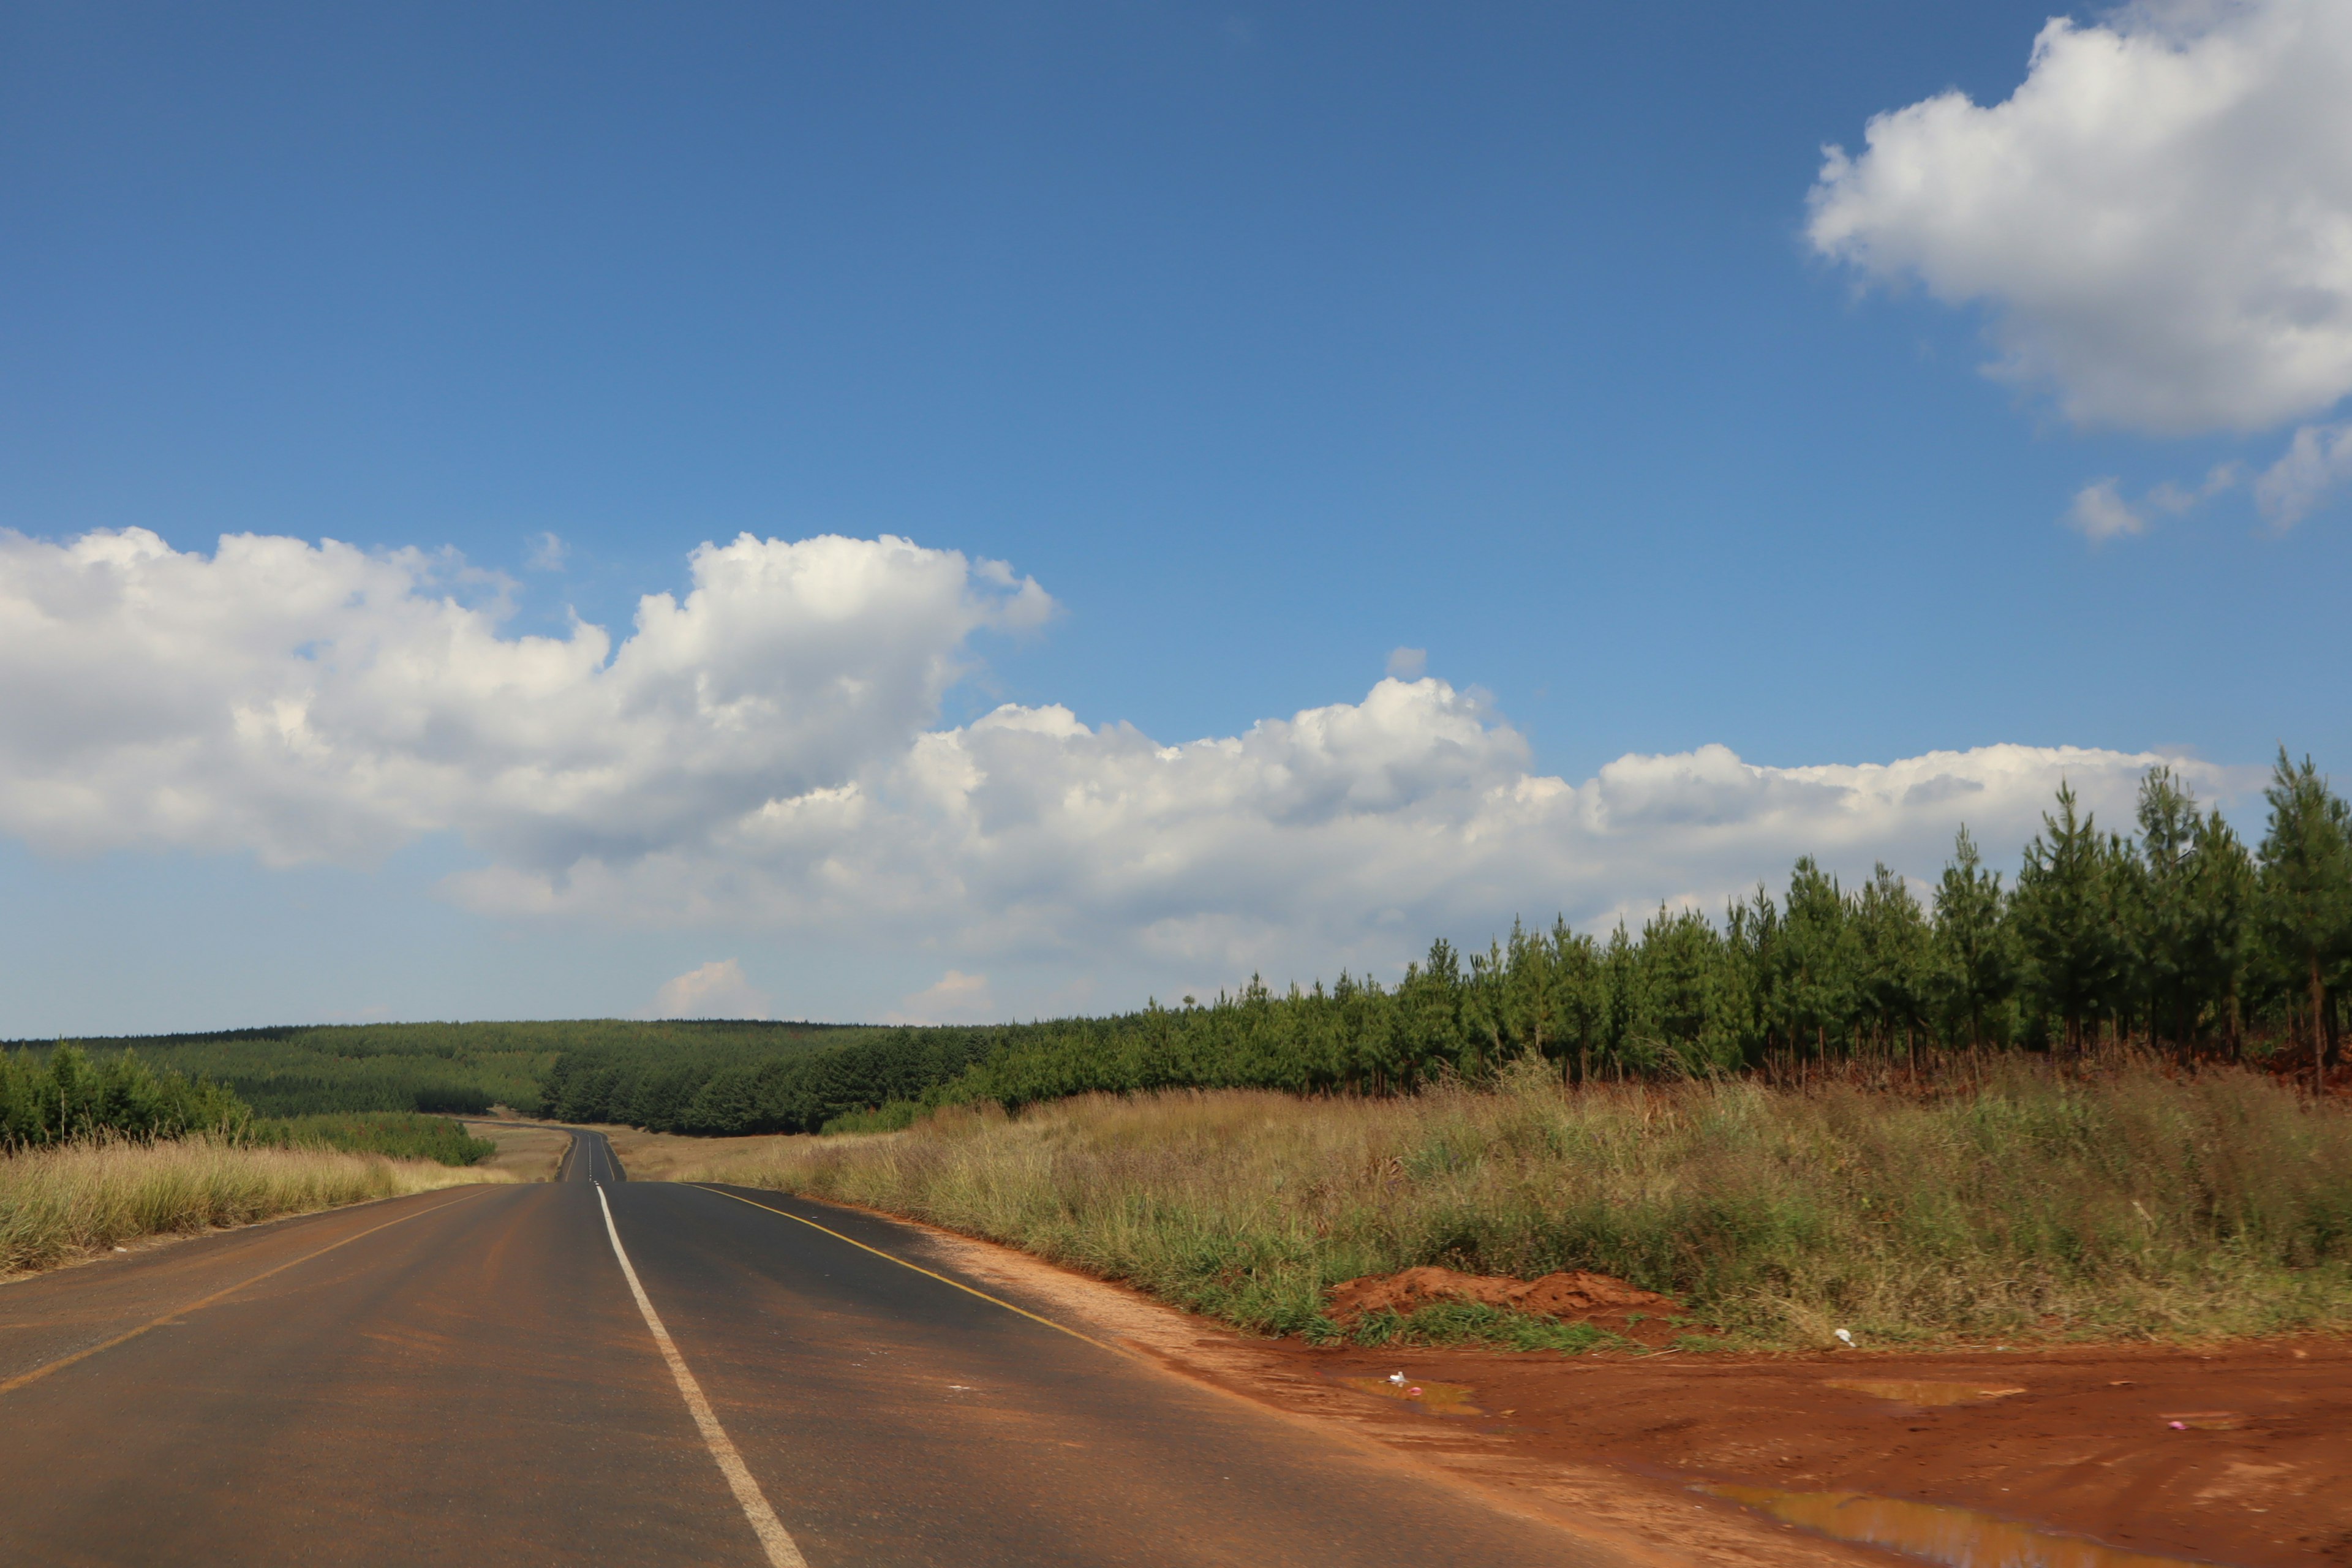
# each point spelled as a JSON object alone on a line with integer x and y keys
{"x": 2034, "y": 1204}
{"x": 60, "y": 1203}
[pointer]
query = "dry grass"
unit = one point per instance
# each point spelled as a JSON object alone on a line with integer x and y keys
{"x": 2034, "y": 1206}
{"x": 527, "y": 1153}
{"x": 59, "y": 1204}
{"x": 672, "y": 1156}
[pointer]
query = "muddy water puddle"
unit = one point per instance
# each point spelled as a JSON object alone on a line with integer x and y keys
{"x": 1957, "y": 1537}
{"x": 1434, "y": 1398}
{"x": 1925, "y": 1393}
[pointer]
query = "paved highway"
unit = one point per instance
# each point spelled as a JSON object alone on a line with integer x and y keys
{"x": 606, "y": 1372}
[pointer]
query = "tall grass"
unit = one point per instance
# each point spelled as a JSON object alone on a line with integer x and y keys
{"x": 61, "y": 1201}
{"x": 2137, "y": 1204}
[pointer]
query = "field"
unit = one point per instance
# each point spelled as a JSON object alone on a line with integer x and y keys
{"x": 73, "y": 1199}
{"x": 2035, "y": 1204}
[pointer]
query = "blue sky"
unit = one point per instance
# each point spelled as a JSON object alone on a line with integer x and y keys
{"x": 1265, "y": 341}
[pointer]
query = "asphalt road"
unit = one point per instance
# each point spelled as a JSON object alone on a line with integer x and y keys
{"x": 470, "y": 1376}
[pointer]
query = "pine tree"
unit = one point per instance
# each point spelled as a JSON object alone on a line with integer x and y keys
{"x": 2223, "y": 889}
{"x": 2067, "y": 921}
{"x": 1896, "y": 950}
{"x": 1976, "y": 951}
{"x": 2307, "y": 885}
{"x": 1813, "y": 962}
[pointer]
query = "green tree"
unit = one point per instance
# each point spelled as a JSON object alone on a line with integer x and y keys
{"x": 2068, "y": 924}
{"x": 2307, "y": 885}
{"x": 1813, "y": 962}
{"x": 2163, "y": 906}
{"x": 1894, "y": 953}
{"x": 2223, "y": 889}
{"x": 1977, "y": 969}
{"x": 2192, "y": 898}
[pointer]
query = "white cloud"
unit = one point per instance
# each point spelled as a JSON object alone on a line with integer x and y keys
{"x": 319, "y": 702}
{"x": 2159, "y": 218}
{"x": 548, "y": 553}
{"x": 2318, "y": 460}
{"x": 762, "y": 754}
{"x": 2100, "y": 513}
{"x": 716, "y": 990}
{"x": 1348, "y": 833}
{"x": 1407, "y": 663}
{"x": 954, "y": 998}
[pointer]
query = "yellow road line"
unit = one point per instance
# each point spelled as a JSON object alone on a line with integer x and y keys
{"x": 22, "y": 1378}
{"x": 920, "y": 1269}
{"x": 774, "y": 1538}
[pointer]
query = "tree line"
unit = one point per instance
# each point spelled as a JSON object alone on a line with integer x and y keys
{"x": 2178, "y": 936}
{"x": 69, "y": 1097}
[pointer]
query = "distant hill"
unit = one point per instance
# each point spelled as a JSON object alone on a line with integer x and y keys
{"x": 305, "y": 1069}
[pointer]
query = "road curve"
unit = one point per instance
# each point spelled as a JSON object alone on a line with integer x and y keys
{"x": 467, "y": 1377}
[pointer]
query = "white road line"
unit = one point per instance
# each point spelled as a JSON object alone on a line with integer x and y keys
{"x": 782, "y": 1552}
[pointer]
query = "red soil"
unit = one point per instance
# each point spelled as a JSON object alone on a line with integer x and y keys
{"x": 1574, "y": 1296}
{"x": 2239, "y": 1455}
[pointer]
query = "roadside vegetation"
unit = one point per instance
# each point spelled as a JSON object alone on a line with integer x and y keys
{"x": 396, "y": 1134}
{"x": 2105, "y": 1199}
{"x": 65, "y": 1097}
{"x": 94, "y": 1153}
{"x": 67, "y": 1200}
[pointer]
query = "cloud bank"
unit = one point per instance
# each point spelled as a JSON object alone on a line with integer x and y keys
{"x": 718, "y": 990}
{"x": 764, "y": 754}
{"x": 2159, "y": 218}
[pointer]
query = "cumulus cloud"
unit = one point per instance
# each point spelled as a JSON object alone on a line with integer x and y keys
{"x": 954, "y": 998}
{"x": 716, "y": 990}
{"x": 322, "y": 702}
{"x": 764, "y": 754}
{"x": 2159, "y": 219}
{"x": 1346, "y": 834}
{"x": 1407, "y": 663}
{"x": 2316, "y": 461}
{"x": 2100, "y": 513}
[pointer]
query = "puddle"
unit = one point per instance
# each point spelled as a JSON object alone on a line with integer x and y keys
{"x": 1436, "y": 1399}
{"x": 1958, "y": 1537}
{"x": 1926, "y": 1392}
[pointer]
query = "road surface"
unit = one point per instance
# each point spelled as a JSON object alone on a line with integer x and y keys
{"x": 470, "y": 1376}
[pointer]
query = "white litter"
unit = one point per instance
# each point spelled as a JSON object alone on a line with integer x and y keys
{"x": 1845, "y": 1337}
{"x": 1396, "y": 1378}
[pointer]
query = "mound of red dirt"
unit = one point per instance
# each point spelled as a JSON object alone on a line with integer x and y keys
{"x": 1573, "y": 1294}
